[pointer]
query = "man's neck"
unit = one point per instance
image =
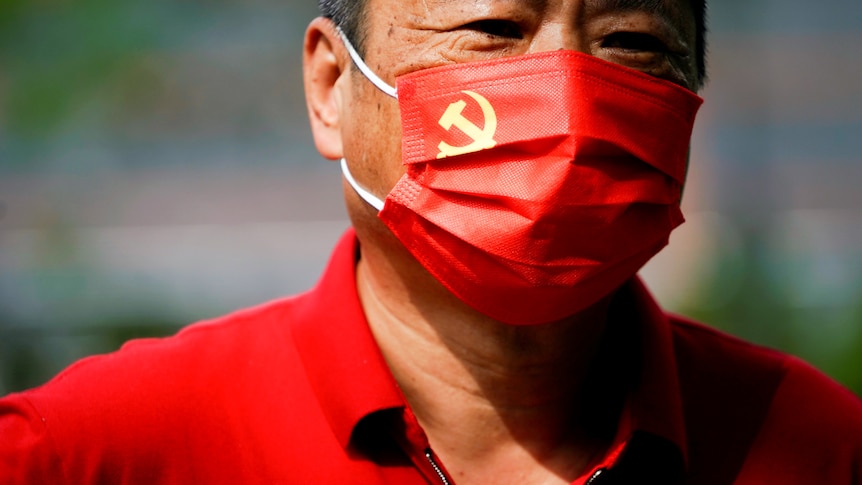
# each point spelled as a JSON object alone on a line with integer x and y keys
{"x": 490, "y": 396}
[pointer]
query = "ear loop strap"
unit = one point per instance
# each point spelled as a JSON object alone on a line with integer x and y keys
{"x": 367, "y": 196}
{"x": 369, "y": 74}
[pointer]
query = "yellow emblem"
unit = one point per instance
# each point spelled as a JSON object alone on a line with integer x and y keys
{"x": 483, "y": 138}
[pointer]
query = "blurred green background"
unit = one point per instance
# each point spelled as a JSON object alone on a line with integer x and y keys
{"x": 156, "y": 169}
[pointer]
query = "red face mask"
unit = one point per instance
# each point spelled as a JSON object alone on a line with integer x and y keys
{"x": 536, "y": 184}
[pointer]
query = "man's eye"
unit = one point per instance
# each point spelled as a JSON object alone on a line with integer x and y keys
{"x": 496, "y": 27}
{"x": 634, "y": 41}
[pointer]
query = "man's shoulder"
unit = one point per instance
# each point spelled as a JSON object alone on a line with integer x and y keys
{"x": 217, "y": 350}
{"x": 709, "y": 351}
{"x": 162, "y": 399}
{"x": 781, "y": 415}
{"x": 200, "y": 348}
{"x": 728, "y": 362}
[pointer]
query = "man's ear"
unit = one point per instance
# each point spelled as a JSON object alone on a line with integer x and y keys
{"x": 322, "y": 67}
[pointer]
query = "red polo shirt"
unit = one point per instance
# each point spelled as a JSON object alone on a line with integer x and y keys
{"x": 296, "y": 391}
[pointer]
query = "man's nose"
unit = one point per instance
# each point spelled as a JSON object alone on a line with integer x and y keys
{"x": 554, "y": 36}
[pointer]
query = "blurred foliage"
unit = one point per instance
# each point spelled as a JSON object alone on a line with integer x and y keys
{"x": 86, "y": 74}
{"x": 742, "y": 297}
{"x": 57, "y": 54}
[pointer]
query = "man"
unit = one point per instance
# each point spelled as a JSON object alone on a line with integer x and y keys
{"x": 483, "y": 324}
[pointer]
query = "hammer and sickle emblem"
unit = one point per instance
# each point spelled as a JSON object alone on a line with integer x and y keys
{"x": 483, "y": 138}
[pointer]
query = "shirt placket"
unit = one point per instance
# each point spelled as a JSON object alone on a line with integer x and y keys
{"x": 414, "y": 442}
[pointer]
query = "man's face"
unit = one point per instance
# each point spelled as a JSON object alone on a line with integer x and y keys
{"x": 653, "y": 36}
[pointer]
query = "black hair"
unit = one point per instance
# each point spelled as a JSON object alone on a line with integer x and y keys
{"x": 349, "y": 15}
{"x": 700, "y": 15}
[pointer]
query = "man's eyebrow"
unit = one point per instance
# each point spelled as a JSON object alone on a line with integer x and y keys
{"x": 670, "y": 12}
{"x": 660, "y": 7}
{"x": 530, "y": 3}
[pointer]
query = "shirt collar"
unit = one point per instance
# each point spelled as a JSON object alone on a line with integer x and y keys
{"x": 351, "y": 379}
{"x": 654, "y": 403}
{"x": 343, "y": 362}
